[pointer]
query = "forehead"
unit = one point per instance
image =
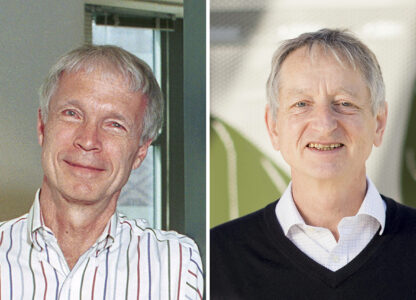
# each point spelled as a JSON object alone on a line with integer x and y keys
{"x": 100, "y": 80}
{"x": 308, "y": 68}
{"x": 100, "y": 88}
{"x": 100, "y": 71}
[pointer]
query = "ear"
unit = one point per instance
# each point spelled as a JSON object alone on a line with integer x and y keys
{"x": 272, "y": 128}
{"x": 40, "y": 128}
{"x": 381, "y": 121}
{"x": 141, "y": 154}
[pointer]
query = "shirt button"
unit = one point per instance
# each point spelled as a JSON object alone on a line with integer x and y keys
{"x": 335, "y": 259}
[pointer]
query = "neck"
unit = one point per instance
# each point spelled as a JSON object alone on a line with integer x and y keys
{"x": 323, "y": 203}
{"x": 75, "y": 224}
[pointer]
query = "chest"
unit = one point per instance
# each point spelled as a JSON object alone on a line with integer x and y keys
{"x": 125, "y": 270}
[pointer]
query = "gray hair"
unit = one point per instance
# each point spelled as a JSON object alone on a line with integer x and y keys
{"x": 113, "y": 59}
{"x": 339, "y": 43}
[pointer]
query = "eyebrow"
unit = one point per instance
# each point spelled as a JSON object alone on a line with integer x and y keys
{"x": 117, "y": 116}
{"x": 303, "y": 91}
{"x": 348, "y": 91}
{"x": 297, "y": 91}
{"x": 73, "y": 102}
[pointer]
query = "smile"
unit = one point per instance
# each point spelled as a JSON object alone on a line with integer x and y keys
{"x": 90, "y": 168}
{"x": 323, "y": 147}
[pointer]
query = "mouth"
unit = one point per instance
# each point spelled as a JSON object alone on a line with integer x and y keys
{"x": 324, "y": 147}
{"x": 84, "y": 167}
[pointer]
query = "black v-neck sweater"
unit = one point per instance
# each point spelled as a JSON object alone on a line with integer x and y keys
{"x": 252, "y": 259}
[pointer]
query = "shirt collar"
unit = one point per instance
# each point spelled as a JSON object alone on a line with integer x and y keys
{"x": 288, "y": 214}
{"x": 35, "y": 222}
{"x": 107, "y": 237}
{"x": 286, "y": 211}
{"x": 38, "y": 228}
{"x": 373, "y": 205}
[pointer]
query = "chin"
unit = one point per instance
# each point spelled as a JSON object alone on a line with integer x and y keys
{"x": 82, "y": 193}
{"x": 326, "y": 171}
{"x": 329, "y": 174}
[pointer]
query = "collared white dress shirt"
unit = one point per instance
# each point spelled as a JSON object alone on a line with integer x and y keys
{"x": 128, "y": 261}
{"x": 319, "y": 243}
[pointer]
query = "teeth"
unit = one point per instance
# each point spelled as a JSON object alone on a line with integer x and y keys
{"x": 324, "y": 147}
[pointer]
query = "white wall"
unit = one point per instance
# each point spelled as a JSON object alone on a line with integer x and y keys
{"x": 33, "y": 34}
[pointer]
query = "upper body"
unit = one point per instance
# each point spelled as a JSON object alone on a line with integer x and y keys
{"x": 326, "y": 110}
{"x": 100, "y": 109}
{"x": 251, "y": 258}
{"x": 129, "y": 260}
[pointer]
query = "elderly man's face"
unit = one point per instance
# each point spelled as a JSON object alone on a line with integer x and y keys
{"x": 325, "y": 127}
{"x": 90, "y": 142}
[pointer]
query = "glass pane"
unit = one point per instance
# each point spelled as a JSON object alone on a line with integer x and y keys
{"x": 139, "y": 197}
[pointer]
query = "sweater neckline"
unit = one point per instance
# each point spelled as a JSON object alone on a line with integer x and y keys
{"x": 307, "y": 265}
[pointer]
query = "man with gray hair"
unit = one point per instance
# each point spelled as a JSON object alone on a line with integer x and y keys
{"x": 331, "y": 235}
{"x": 100, "y": 109}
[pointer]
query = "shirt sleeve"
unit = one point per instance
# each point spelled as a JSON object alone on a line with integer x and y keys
{"x": 193, "y": 275}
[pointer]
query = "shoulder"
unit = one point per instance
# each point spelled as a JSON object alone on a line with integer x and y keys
{"x": 399, "y": 217}
{"x": 239, "y": 250}
{"x": 176, "y": 256}
{"x": 141, "y": 229}
{"x": 397, "y": 208}
{"x": 13, "y": 230}
{"x": 164, "y": 245}
{"x": 243, "y": 236}
{"x": 10, "y": 224}
{"x": 244, "y": 227}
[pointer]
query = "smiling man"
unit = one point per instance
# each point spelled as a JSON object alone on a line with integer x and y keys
{"x": 331, "y": 235}
{"x": 100, "y": 109}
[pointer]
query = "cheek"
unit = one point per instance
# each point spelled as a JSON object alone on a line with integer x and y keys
{"x": 290, "y": 131}
{"x": 120, "y": 153}
{"x": 55, "y": 139}
{"x": 362, "y": 133}
{"x": 57, "y": 133}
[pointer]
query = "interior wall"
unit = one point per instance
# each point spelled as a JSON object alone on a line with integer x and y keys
{"x": 33, "y": 35}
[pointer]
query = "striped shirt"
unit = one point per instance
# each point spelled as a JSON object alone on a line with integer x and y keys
{"x": 128, "y": 261}
{"x": 355, "y": 232}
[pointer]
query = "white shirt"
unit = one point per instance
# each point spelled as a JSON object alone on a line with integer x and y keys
{"x": 128, "y": 261}
{"x": 319, "y": 244}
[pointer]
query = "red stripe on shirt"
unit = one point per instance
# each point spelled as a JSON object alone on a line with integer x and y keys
{"x": 24, "y": 218}
{"x": 93, "y": 283}
{"x": 192, "y": 273}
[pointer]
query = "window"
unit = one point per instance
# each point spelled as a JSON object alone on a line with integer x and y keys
{"x": 141, "y": 35}
{"x": 140, "y": 197}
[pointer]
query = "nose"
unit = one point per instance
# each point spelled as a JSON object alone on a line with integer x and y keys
{"x": 87, "y": 138}
{"x": 324, "y": 119}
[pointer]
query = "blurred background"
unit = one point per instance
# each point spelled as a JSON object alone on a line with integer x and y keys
{"x": 246, "y": 173}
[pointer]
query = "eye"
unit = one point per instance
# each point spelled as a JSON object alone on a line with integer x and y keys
{"x": 117, "y": 125}
{"x": 300, "y": 104}
{"x": 344, "y": 106}
{"x": 69, "y": 113}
